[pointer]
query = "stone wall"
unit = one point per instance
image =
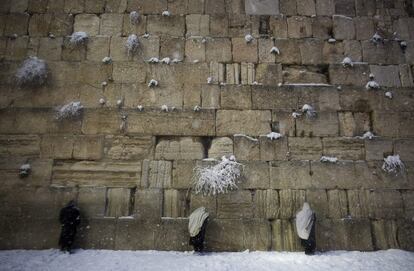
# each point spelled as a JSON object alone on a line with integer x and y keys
{"x": 130, "y": 170}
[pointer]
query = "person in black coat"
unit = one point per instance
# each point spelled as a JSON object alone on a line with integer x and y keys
{"x": 69, "y": 219}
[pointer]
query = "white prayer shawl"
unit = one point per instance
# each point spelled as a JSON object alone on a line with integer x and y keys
{"x": 304, "y": 221}
{"x": 196, "y": 221}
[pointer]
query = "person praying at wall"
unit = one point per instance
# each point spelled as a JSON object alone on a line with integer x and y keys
{"x": 69, "y": 219}
{"x": 305, "y": 228}
{"x": 197, "y": 228}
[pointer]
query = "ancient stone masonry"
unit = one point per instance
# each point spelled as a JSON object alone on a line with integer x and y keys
{"x": 203, "y": 79}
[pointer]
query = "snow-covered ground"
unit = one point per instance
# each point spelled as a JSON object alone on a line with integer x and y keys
{"x": 101, "y": 260}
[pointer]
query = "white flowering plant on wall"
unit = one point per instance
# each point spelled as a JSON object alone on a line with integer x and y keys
{"x": 219, "y": 178}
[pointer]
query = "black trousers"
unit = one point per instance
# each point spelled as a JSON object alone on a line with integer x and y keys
{"x": 310, "y": 244}
{"x": 198, "y": 241}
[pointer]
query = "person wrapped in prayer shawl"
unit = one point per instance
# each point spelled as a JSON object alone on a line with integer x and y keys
{"x": 69, "y": 218}
{"x": 197, "y": 228}
{"x": 305, "y": 228}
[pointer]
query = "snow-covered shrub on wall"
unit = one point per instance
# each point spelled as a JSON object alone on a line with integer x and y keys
{"x": 132, "y": 44}
{"x": 78, "y": 38}
{"x": 217, "y": 179}
{"x": 33, "y": 72}
{"x": 393, "y": 164}
{"x": 25, "y": 170}
{"x": 69, "y": 111}
{"x": 134, "y": 17}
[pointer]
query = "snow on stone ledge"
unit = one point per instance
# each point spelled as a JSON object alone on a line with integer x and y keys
{"x": 246, "y": 136}
{"x": 328, "y": 159}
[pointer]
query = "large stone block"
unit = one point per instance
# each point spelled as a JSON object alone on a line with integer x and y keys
{"x": 209, "y": 202}
{"x": 236, "y": 97}
{"x": 269, "y": 74}
{"x": 111, "y": 24}
{"x": 305, "y": 148}
{"x": 246, "y": 148}
{"x": 311, "y": 51}
{"x": 271, "y": 149}
{"x": 250, "y": 122}
{"x": 386, "y": 204}
{"x": 39, "y": 25}
{"x": 16, "y": 23}
{"x": 387, "y": 76}
{"x": 353, "y": 123}
{"x": 299, "y": 27}
{"x": 386, "y": 53}
{"x": 278, "y": 26}
{"x": 19, "y": 145}
{"x": 133, "y": 234}
{"x": 343, "y": 27}
{"x": 332, "y": 52}
{"x": 236, "y": 204}
{"x": 405, "y": 234}
{"x": 290, "y": 175}
{"x": 156, "y": 174}
{"x": 220, "y": 146}
{"x": 377, "y": 148}
{"x": 98, "y": 48}
{"x": 289, "y": 51}
{"x": 384, "y": 233}
{"x": 219, "y": 25}
{"x": 197, "y": 25}
{"x": 172, "y": 234}
{"x": 148, "y": 204}
{"x": 183, "y": 173}
{"x": 118, "y": 202}
{"x": 325, "y": 7}
{"x": 325, "y": 124}
{"x": 166, "y": 25}
{"x": 364, "y": 27}
{"x": 179, "y": 148}
{"x": 96, "y": 233}
{"x": 129, "y": 147}
{"x": 264, "y": 47}
{"x": 306, "y": 7}
{"x": 356, "y": 75}
{"x": 195, "y": 50}
{"x": 91, "y": 201}
{"x": 255, "y": 175}
{"x": 340, "y": 175}
{"x": 306, "y": 75}
{"x": 266, "y": 7}
{"x": 283, "y": 123}
{"x": 17, "y": 49}
{"x": 344, "y": 148}
{"x": 322, "y": 27}
{"x": 337, "y": 203}
{"x": 210, "y": 96}
{"x": 266, "y": 204}
{"x": 359, "y": 203}
{"x": 88, "y": 23}
{"x": 318, "y": 201}
{"x": 129, "y": 72}
{"x": 88, "y": 173}
{"x": 291, "y": 201}
{"x": 175, "y": 203}
{"x": 344, "y": 234}
{"x": 284, "y": 236}
{"x": 243, "y": 51}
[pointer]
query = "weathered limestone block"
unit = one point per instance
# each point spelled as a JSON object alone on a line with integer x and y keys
{"x": 88, "y": 148}
{"x": 365, "y": 7}
{"x": 345, "y": 7}
{"x": 94, "y": 6}
{"x": 377, "y": 148}
{"x": 233, "y": 74}
{"x": 88, "y": 173}
{"x": 236, "y": 204}
{"x": 19, "y": 145}
{"x": 406, "y": 76}
{"x": 271, "y": 149}
{"x": 186, "y": 148}
{"x": 304, "y": 75}
{"x": 299, "y": 27}
{"x": 129, "y": 72}
{"x": 291, "y": 201}
{"x": 290, "y": 175}
{"x": 289, "y": 51}
{"x": 237, "y": 235}
{"x": 243, "y": 51}
{"x": 147, "y": 6}
{"x": 306, "y": 7}
{"x": 325, "y": 7}
{"x": 387, "y": 76}
{"x": 172, "y": 234}
{"x": 311, "y": 51}
{"x": 174, "y": 47}
{"x": 197, "y": 25}
{"x": 195, "y": 50}
{"x": 287, "y": 7}
{"x": 97, "y": 233}
{"x": 359, "y": 203}
{"x": 210, "y": 96}
{"x": 343, "y": 27}
{"x": 219, "y": 25}
{"x": 325, "y": 124}
{"x": 119, "y": 200}
{"x": 305, "y": 148}
{"x": 220, "y": 146}
{"x": 236, "y": 97}
{"x": 129, "y": 28}
{"x": 18, "y": 6}
{"x": 318, "y": 201}
{"x": 10, "y": 167}
{"x": 387, "y": 53}
{"x": 284, "y": 236}
{"x": 408, "y": 199}
{"x": 353, "y": 123}
{"x": 385, "y": 234}
{"x": 72, "y": 53}
{"x": 75, "y": 6}
{"x": 90, "y": 73}
{"x": 255, "y": 175}
{"x": 183, "y": 170}
{"x": 386, "y": 123}
{"x": 266, "y": 204}
{"x": 344, "y": 148}
{"x": 209, "y": 202}
{"x": 332, "y": 52}
{"x": 248, "y": 73}
{"x": 35, "y": 121}
{"x": 353, "y": 49}
{"x": 387, "y": 204}
{"x": 337, "y": 204}
{"x": 98, "y": 48}
{"x": 264, "y": 47}
{"x": 133, "y": 234}
{"x": 175, "y": 203}
{"x": 406, "y": 127}
{"x": 129, "y": 147}
{"x": 17, "y": 48}
{"x": 266, "y": 7}
{"x": 344, "y": 234}
{"x": 88, "y": 23}
{"x": 166, "y": 25}
{"x": 92, "y": 201}
{"x": 322, "y": 27}
{"x": 50, "y": 49}
{"x": 16, "y": 23}
{"x": 278, "y": 26}
{"x": 156, "y": 174}
{"x": 250, "y": 122}
{"x": 340, "y": 175}
{"x": 364, "y": 27}
{"x": 404, "y": 27}
{"x": 111, "y": 24}
{"x": 246, "y": 148}
{"x": 61, "y": 24}
{"x": 148, "y": 204}
{"x": 218, "y": 49}
{"x": 405, "y": 234}
{"x": 356, "y": 75}
{"x": 274, "y": 98}
{"x": 39, "y": 25}
{"x": 269, "y": 74}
